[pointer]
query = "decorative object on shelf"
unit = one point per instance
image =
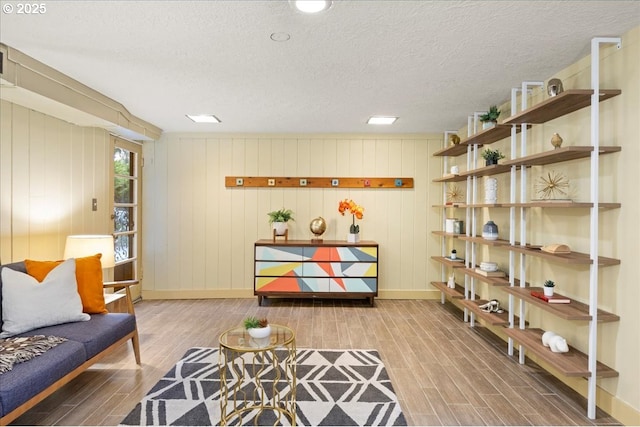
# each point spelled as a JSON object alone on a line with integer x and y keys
{"x": 455, "y": 170}
{"x": 458, "y": 227}
{"x": 490, "y": 231}
{"x": 454, "y": 254}
{"x": 451, "y": 283}
{"x": 317, "y": 226}
{"x": 454, "y": 139}
{"x": 546, "y": 337}
{"x": 556, "y": 248}
{"x": 448, "y": 224}
{"x": 548, "y": 288}
{"x": 278, "y": 219}
{"x": 490, "y": 118}
{"x": 556, "y": 140}
{"x": 554, "y": 87}
{"x": 553, "y": 186}
{"x": 550, "y": 300}
{"x": 490, "y": 190}
{"x": 488, "y": 266}
{"x": 454, "y": 194}
{"x": 492, "y": 306}
{"x": 356, "y": 211}
{"x": 257, "y": 328}
{"x": 491, "y": 157}
{"x": 496, "y": 273}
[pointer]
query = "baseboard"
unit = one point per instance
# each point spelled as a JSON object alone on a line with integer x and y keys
{"x": 248, "y": 293}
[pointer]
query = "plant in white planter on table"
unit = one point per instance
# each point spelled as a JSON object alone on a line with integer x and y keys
{"x": 279, "y": 219}
{"x": 548, "y": 288}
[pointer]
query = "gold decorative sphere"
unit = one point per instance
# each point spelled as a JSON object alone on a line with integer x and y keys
{"x": 318, "y": 226}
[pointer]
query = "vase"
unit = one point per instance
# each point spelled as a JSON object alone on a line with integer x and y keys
{"x": 490, "y": 231}
{"x": 491, "y": 190}
{"x": 280, "y": 227}
{"x": 556, "y": 141}
{"x": 259, "y": 332}
{"x": 489, "y": 162}
{"x": 353, "y": 237}
{"x": 488, "y": 125}
{"x": 548, "y": 291}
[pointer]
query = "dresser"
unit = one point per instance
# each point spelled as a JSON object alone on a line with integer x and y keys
{"x": 305, "y": 269}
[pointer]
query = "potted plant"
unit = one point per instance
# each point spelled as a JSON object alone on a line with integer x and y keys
{"x": 491, "y": 157}
{"x": 548, "y": 288}
{"x": 257, "y": 328}
{"x": 356, "y": 211}
{"x": 278, "y": 219}
{"x": 490, "y": 118}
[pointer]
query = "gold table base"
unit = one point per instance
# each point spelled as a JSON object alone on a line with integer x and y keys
{"x": 253, "y": 378}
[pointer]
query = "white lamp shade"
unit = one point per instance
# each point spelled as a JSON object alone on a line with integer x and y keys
{"x": 84, "y": 245}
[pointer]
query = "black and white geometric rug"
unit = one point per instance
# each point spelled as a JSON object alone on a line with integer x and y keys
{"x": 334, "y": 388}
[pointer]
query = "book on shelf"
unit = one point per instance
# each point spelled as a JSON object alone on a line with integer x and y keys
{"x": 497, "y": 273}
{"x": 550, "y": 300}
{"x": 448, "y": 258}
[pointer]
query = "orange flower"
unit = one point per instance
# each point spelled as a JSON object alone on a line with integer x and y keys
{"x": 356, "y": 211}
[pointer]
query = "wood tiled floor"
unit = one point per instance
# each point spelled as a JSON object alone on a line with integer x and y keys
{"x": 443, "y": 371}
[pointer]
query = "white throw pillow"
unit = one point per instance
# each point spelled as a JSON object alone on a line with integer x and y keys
{"x": 28, "y": 304}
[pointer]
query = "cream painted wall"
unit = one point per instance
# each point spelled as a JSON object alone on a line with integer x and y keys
{"x": 618, "y": 342}
{"x": 199, "y": 235}
{"x": 49, "y": 172}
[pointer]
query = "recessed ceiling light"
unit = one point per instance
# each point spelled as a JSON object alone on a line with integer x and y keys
{"x": 204, "y": 118}
{"x": 311, "y": 6}
{"x": 381, "y": 120}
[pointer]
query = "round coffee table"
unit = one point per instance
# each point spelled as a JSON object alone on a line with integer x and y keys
{"x": 258, "y": 375}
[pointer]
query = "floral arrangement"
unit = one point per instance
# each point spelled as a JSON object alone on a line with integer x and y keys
{"x": 356, "y": 211}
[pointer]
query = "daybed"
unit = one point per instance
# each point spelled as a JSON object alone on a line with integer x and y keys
{"x": 30, "y": 382}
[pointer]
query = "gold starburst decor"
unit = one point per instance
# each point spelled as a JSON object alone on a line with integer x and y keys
{"x": 552, "y": 186}
{"x": 454, "y": 194}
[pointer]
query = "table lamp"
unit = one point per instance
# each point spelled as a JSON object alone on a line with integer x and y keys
{"x": 84, "y": 245}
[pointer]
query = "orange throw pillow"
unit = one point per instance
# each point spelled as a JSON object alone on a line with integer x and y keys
{"x": 88, "y": 276}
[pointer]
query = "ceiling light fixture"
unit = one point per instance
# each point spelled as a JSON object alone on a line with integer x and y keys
{"x": 204, "y": 118}
{"x": 311, "y": 6}
{"x": 280, "y": 37}
{"x": 381, "y": 120}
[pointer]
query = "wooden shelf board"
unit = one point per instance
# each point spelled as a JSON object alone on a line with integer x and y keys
{"x": 445, "y": 261}
{"x": 495, "y": 319}
{"x": 452, "y": 151}
{"x": 491, "y": 135}
{"x": 483, "y": 241}
{"x": 570, "y": 258}
{"x": 562, "y": 154}
{"x": 557, "y": 106}
{"x": 493, "y": 281}
{"x": 571, "y": 205}
{"x": 457, "y": 293}
{"x": 315, "y": 182}
{"x": 451, "y": 178}
{"x": 444, "y": 233}
{"x": 485, "y": 171}
{"x": 575, "y": 310}
{"x": 571, "y": 364}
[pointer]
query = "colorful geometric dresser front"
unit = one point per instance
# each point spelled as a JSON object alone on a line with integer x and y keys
{"x": 301, "y": 269}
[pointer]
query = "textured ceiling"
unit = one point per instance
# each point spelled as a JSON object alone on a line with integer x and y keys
{"x": 432, "y": 63}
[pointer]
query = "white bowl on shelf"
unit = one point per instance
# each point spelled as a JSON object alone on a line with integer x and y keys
{"x": 489, "y": 266}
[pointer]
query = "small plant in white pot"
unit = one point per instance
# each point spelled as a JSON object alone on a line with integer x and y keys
{"x": 490, "y": 118}
{"x": 548, "y": 288}
{"x": 257, "y": 328}
{"x": 278, "y": 219}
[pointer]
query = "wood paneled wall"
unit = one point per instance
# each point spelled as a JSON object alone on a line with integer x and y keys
{"x": 199, "y": 235}
{"x": 49, "y": 172}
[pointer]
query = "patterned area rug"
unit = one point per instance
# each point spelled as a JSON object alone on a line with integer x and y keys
{"x": 334, "y": 387}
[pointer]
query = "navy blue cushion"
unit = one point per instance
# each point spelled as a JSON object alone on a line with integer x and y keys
{"x": 29, "y": 378}
{"x": 97, "y": 334}
{"x": 17, "y": 266}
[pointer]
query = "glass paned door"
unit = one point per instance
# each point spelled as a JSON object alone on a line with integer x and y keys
{"x": 126, "y": 210}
